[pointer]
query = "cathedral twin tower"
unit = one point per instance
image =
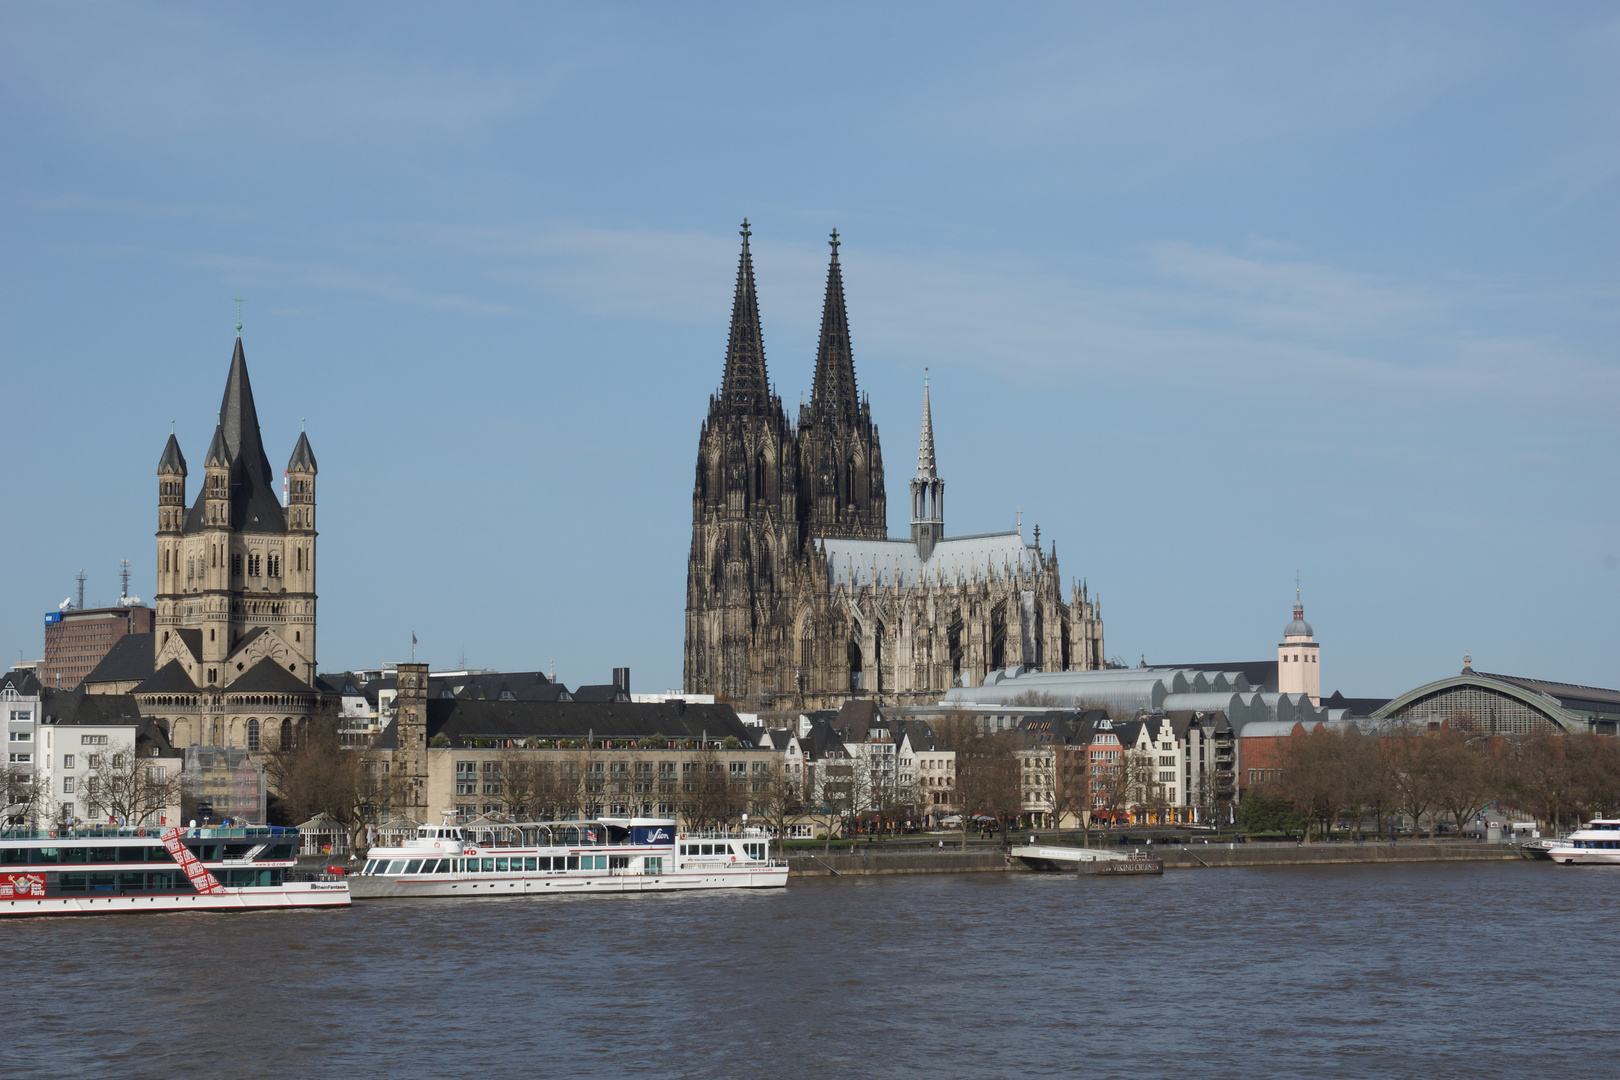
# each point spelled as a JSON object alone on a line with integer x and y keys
{"x": 796, "y": 596}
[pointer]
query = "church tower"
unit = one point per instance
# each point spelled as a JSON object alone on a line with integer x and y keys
{"x": 1297, "y": 669}
{"x": 235, "y": 618}
{"x": 841, "y": 462}
{"x": 745, "y": 515}
{"x": 927, "y": 489}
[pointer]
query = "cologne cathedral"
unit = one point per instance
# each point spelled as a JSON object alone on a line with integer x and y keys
{"x": 797, "y": 597}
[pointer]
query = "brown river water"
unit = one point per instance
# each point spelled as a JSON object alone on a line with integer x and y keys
{"x": 1471, "y": 970}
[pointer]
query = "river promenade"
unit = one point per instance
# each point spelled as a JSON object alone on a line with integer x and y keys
{"x": 988, "y": 858}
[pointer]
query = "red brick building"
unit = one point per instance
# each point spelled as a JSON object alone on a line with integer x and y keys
{"x": 76, "y": 641}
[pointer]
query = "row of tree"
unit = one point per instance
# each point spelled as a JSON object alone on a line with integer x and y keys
{"x": 1352, "y": 779}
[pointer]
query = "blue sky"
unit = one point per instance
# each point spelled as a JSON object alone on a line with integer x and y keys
{"x": 1212, "y": 293}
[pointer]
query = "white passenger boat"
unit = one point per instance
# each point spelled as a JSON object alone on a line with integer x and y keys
{"x": 565, "y": 858}
{"x": 1596, "y": 843}
{"x": 114, "y": 869}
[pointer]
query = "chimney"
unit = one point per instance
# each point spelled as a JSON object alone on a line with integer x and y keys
{"x": 621, "y": 680}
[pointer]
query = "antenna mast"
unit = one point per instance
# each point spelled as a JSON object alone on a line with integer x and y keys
{"x": 123, "y": 579}
{"x": 80, "y": 579}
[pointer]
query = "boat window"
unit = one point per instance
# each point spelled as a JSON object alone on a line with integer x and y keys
{"x": 573, "y": 862}
{"x": 489, "y": 866}
{"x": 528, "y": 864}
{"x": 444, "y": 867}
{"x": 500, "y": 866}
{"x": 413, "y": 866}
{"x": 371, "y": 864}
{"x": 72, "y": 855}
{"x": 396, "y": 866}
{"x": 652, "y": 866}
{"x": 618, "y": 862}
{"x": 104, "y": 854}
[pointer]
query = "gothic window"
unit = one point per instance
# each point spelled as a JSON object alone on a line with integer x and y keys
{"x": 236, "y": 565}
{"x": 759, "y": 475}
{"x": 189, "y": 571}
{"x": 253, "y": 735}
{"x": 286, "y": 735}
{"x": 275, "y": 565}
{"x": 255, "y": 563}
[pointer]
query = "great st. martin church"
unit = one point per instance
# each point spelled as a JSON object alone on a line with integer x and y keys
{"x": 795, "y": 594}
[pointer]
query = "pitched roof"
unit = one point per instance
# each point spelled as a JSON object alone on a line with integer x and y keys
{"x": 172, "y": 461}
{"x": 895, "y": 561}
{"x": 171, "y": 679}
{"x": 303, "y": 458}
{"x": 192, "y": 640}
{"x": 78, "y": 706}
{"x": 603, "y": 692}
{"x": 268, "y": 677}
{"x": 129, "y": 658}
{"x": 462, "y": 719}
{"x": 26, "y": 683}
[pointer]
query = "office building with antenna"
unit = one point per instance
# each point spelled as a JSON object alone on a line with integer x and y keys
{"x": 77, "y": 637}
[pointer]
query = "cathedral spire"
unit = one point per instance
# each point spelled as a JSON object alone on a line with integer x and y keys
{"x": 927, "y": 489}
{"x": 834, "y": 394}
{"x": 746, "y": 386}
{"x": 925, "y": 448}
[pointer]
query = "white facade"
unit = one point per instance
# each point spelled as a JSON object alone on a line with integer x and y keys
{"x": 22, "y": 724}
{"x": 71, "y": 755}
{"x": 1298, "y": 659}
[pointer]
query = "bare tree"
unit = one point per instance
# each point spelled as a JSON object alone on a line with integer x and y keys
{"x": 781, "y": 798}
{"x": 317, "y": 775}
{"x": 23, "y": 794}
{"x": 1411, "y": 756}
{"x": 1463, "y": 779}
{"x": 1311, "y": 778}
{"x": 131, "y": 788}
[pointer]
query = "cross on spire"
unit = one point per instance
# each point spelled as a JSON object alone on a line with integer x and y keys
{"x": 833, "y": 243}
{"x": 238, "y": 314}
{"x": 746, "y": 231}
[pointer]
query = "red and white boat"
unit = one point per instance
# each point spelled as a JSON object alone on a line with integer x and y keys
{"x": 106, "y": 869}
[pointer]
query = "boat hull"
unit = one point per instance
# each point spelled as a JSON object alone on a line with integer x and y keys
{"x": 1583, "y": 857}
{"x": 489, "y": 886}
{"x": 301, "y": 894}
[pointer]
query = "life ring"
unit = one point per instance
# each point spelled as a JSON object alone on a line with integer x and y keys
{"x": 53, "y": 834}
{"x": 683, "y": 836}
{"x": 140, "y": 832}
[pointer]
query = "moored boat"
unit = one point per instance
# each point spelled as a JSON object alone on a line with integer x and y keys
{"x": 564, "y": 858}
{"x": 114, "y": 869}
{"x": 1594, "y": 844}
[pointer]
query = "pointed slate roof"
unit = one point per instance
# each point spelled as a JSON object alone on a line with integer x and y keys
{"x": 303, "y": 458}
{"x": 746, "y": 387}
{"x": 925, "y": 446}
{"x": 254, "y": 505}
{"x": 834, "y": 395}
{"x": 172, "y": 461}
{"x": 219, "y": 455}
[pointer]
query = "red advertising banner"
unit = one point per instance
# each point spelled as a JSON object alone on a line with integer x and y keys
{"x": 22, "y": 886}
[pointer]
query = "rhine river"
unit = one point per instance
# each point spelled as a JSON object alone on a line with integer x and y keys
{"x": 1470, "y": 970}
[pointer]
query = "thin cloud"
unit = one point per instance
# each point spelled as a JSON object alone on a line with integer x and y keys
{"x": 1272, "y": 330}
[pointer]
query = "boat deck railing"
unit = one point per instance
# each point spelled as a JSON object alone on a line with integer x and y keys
{"x": 99, "y": 832}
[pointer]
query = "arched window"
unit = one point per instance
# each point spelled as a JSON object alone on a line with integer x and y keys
{"x": 253, "y": 735}
{"x": 286, "y": 735}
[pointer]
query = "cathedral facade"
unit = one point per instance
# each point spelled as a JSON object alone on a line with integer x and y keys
{"x": 797, "y": 596}
{"x": 234, "y": 633}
